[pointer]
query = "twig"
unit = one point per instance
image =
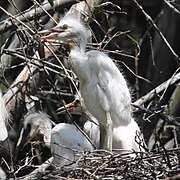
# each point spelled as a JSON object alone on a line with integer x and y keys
{"x": 149, "y": 19}
{"x": 41, "y": 169}
{"x": 96, "y": 165}
{"x": 90, "y": 174}
{"x": 166, "y": 157}
{"x": 160, "y": 115}
{"x": 31, "y": 13}
{"x": 136, "y": 75}
{"x": 171, "y": 6}
{"x": 149, "y": 96}
{"x": 16, "y": 19}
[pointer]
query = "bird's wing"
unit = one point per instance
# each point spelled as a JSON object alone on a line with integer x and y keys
{"x": 103, "y": 69}
{"x": 103, "y": 93}
{"x": 112, "y": 92}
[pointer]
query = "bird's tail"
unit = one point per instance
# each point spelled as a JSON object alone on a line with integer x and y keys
{"x": 4, "y": 115}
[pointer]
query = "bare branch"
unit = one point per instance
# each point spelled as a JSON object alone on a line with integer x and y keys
{"x": 29, "y": 14}
{"x": 41, "y": 169}
{"x": 171, "y": 6}
{"x": 149, "y": 96}
{"x": 149, "y": 19}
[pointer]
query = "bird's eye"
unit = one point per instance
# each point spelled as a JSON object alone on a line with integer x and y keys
{"x": 65, "y": 26}
{"x": 77, "y": 102}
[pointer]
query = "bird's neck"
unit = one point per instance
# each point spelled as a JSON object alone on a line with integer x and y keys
{"x": 78, "y": 61}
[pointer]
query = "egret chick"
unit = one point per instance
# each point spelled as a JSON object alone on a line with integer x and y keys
{"x": 66, "y": 143}
{"x": 39, "y": 124}
{"x": 64, "y": 140}
{"x": 102, "y": 85}
{"x": 125, "y": 138}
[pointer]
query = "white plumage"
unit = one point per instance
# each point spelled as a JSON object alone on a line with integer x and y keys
{"x": 102, "y": 86}
{"x": 40, "y": 124}
{"x": 67, "y": 144}
{"x": 125, "y": 138}
{"x": 64, "y": 140}
{"x": 4, "y": 116}
{"x": 91, "y": 128}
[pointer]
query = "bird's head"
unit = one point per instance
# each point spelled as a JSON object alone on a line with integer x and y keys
{"x": 70, "y": 31}
{"x": 36, "y": 126}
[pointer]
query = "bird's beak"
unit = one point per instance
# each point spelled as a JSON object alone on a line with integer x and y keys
{"x": 68, "y": 107}
{"x": 72, "y": 108}
{"x": 53, "y": 33}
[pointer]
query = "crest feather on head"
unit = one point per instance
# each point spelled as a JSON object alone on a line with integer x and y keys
{"x": 78, "y": 26}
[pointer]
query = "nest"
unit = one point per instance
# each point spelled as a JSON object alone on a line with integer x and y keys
{"x": 101, "y": 164}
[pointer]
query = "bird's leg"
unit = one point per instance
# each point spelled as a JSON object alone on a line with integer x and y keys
{"x": 106, "y": 133}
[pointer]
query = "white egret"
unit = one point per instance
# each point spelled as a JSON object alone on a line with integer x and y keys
{"x": 64, "y": 140}
{"x": 4, "y": 116}
{"x": 125, "y": 138}
{"x": 102, "y": 85}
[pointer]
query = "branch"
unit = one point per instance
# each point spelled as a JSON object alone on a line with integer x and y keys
{"x": 15, "y": 95}
{"x": 159, "y": 115}
{"x": 149, "y": 19}
{"x": 41, "y": 169}
{"x": 149, "y": 96}
{"x": 171, "y": 6}
{"x": 29, "y": 14}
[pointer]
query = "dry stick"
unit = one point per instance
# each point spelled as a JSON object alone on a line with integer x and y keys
{"x": 29, "y": 14}
{"x": 162, "y": 96}
{"x": 19, "y": 21}
{"x": 149, "y": 19}
{"x": 149, "y": 96}
{"x": 172, "y": 7}
{"x": 16, "y": 87}
{"x": 159, "y": 115}
{"x": 18, "y": 83}
{"x": 63, "y": 67}
{"x": 41, "y": 169}
{"x": 15, "y": 94}
{"x": 132, "y": 72}
{"x": 45, "y": 11}
{"x": 47, "y": 64}
{"x": 24, "y": 75}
